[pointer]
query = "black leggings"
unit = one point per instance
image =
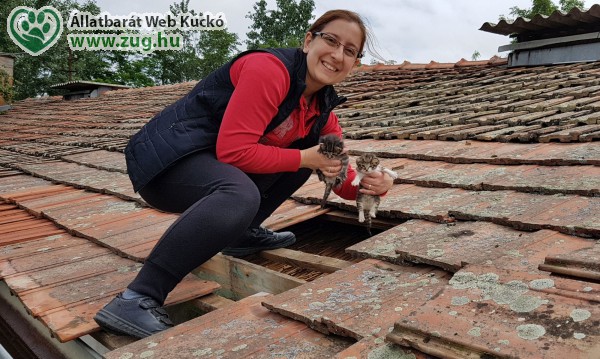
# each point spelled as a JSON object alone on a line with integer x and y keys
{"x": 218, "y": 203}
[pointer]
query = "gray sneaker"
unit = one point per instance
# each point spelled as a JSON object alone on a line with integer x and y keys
{"x": 260, "y": 239}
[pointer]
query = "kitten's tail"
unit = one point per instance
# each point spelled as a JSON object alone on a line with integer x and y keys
{"x": 368, "y": 224}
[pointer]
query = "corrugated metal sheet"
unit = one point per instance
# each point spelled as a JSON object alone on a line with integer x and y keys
{"x": 555, "y": 25}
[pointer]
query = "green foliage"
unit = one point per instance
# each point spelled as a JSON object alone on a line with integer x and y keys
{"x": 283, "y": 27}
{"x": 33, "y": 75}
{"x": 6, "y": 89}
{"x": 203, "y": 52}
{"x": 216, "y": 47}
{"x": 168, "y": 67}
{"x": 543, "y": 7}
{"x": 130, "y": 69}
{"x": 567, "y": 5}
{"x": 476, "y": 55}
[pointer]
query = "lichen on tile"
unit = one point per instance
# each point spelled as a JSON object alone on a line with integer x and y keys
{"x": 525, "y": 303}
{"x": 475, "y": 332}
{"x": 579, "y": 315}
{"x": 202, "y": 352}
{"x": 389, "y": 351}
{"x": 540, "y": 284}
{"x": 460, "y": 300}
{"x": 530, "y": 331}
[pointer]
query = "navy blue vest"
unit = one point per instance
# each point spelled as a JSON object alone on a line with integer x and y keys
{"x": 192, "y": 123}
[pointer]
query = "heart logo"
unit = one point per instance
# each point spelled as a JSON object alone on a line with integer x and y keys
{"x": 34, "y": 31}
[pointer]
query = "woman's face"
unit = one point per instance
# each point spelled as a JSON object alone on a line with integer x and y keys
{"x": 327, "y": 64}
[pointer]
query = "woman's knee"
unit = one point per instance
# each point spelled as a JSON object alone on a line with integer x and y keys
{"x": 244, "y": 195}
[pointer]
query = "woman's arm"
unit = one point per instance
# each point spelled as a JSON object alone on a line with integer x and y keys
{"x": 261, "y": 83}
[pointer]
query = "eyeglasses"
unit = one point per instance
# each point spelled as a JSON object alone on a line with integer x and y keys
{"x": 333, "y": 42}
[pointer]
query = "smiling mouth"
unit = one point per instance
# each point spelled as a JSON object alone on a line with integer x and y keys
{"x": 329, "y": 67}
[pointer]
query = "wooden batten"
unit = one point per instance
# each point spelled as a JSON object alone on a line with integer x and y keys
{"x": 305, "y": 260}
{"x": 240, "y": 279}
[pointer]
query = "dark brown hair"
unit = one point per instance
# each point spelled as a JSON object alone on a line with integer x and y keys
{"x": 331, "y": 15}
{"x": 347, "y": 15}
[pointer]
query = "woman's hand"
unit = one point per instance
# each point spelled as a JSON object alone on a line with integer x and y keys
{"x": 376, "y": 183}
{"x": 311, "y": 158}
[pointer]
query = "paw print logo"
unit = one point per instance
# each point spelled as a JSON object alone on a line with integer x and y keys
{"x": 34, "y": 31}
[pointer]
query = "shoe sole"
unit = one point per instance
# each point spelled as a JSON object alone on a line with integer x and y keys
{"x": 113, "y": 323}
{"x": 244, "y": 251}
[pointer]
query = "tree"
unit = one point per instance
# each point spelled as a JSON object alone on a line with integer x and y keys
{"x": 283, "y": 27}
{"x": 476, "y": 55}
{"x": 216, "y": 47}
{"x": 202, "y": 52}
{"x": 175, "y": 66}
{"x": 34, "y": 75}
{"x": 129, "y": 69}
{"x": 543, "y": 7}
{"x": 568, "y": 5}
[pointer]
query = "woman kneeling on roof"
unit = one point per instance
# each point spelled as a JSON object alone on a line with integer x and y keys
{"x": 229, "y": 153}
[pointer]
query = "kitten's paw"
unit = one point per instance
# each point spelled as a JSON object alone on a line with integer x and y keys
{"x": 361, "y": 218}
{"x": 355, "y": 183}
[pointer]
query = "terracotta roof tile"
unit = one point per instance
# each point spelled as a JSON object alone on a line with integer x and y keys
{"x": 502, "y": 313}
{"x": 468, "y": 195}
{"x": 532, "y": 90}
{"x": 475, "y": 151}
{"x": 583, "y": 263}
{"x": 373, "y": 347}
{"x": 529, "y": 258}
{"x": 447, "y": 246}
{"x": 64, "y": 280}
{"x": 361, "y": 300}
{"x": 244, "y": 330}
{"x": 569, "y": 214}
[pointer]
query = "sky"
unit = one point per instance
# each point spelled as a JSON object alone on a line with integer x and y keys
{"x": 418, "y": 31}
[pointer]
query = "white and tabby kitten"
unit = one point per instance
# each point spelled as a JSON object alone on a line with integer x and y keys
{"x": 332, "y": 146}
{"x": 366, "y": 204}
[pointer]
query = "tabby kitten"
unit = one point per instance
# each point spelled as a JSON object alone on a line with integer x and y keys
{"x": 366, "y": 203}
{"x": 332, "y": 146}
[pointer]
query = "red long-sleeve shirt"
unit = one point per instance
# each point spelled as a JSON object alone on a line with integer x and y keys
{"x": 261, "y": 83}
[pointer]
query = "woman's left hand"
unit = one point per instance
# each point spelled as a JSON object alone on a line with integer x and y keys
{"x": 376, "y": 183}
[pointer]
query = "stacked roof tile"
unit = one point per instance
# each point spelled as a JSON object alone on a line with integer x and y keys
{"x": 486, "y": 103}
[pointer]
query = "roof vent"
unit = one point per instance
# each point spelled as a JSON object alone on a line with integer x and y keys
{"x": 84, "y": 89}
{"x": 554, "y": 39}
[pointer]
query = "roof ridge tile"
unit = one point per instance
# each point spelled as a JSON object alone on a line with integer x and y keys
{"x": 407, "y": 65}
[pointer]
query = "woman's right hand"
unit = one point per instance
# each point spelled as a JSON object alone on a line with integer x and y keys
{"x": 311, "y": 158}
